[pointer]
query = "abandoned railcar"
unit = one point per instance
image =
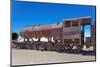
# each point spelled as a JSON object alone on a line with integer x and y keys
{"x": 66, "y": 35}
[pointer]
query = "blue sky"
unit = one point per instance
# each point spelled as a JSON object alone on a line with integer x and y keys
{"x": 33, "y": 13}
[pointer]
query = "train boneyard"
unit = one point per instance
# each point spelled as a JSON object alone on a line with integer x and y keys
{"x": 67, "y": 37}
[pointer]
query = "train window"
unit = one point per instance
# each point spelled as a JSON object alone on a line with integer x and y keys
{"x": 67, "y": 24}
{"x": 75, "y": 23}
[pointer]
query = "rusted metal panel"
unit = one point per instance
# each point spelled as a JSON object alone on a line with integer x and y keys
{"x": 57, "y": 32}
{"x": 71, "y": 32}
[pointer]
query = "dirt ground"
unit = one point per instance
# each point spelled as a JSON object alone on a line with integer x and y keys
{"x": 24, "y": 57}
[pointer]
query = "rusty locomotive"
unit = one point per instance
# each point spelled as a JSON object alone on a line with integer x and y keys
{"x": 67, "y": 35}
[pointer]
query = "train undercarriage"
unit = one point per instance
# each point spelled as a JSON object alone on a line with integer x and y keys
{"x": 58, "y": 47}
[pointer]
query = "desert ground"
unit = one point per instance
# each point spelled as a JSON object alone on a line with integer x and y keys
{"x": 24, "y": 57}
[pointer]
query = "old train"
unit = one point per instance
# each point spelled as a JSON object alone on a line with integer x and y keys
{"x": 66, "y": 35}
